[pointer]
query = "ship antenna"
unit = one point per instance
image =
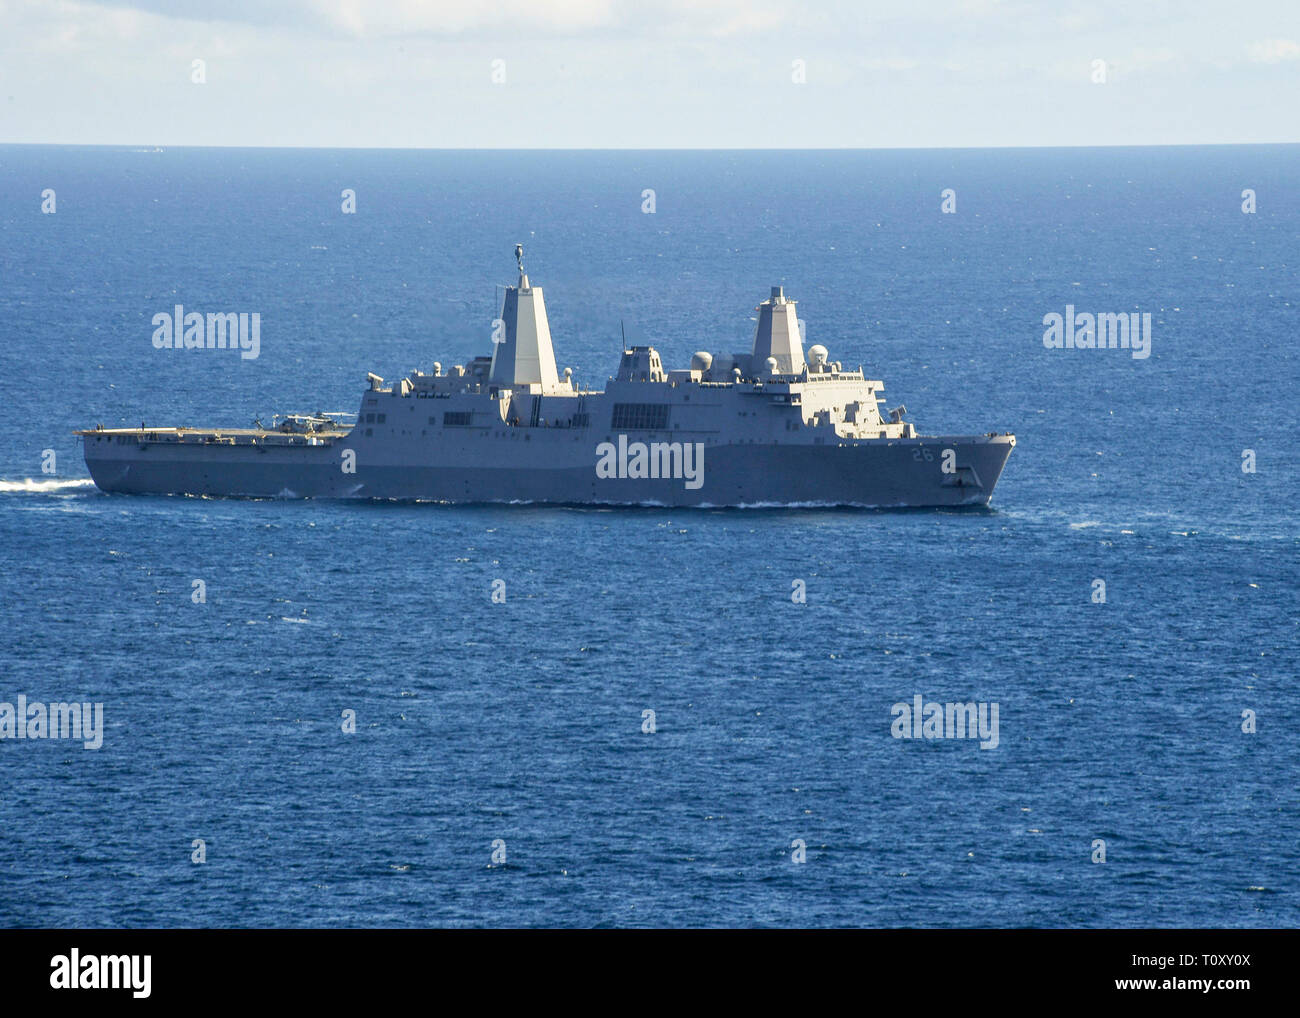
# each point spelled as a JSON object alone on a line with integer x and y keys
{"x": 624, "y": 332}
{"x": 519, "y": 257}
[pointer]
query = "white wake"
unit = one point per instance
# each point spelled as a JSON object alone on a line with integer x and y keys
{"x": 31, "y": 486}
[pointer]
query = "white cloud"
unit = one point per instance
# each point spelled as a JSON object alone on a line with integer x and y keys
{"x": 1273, "y": 51}
{"x": 375, "y": 18}
{"x": 1142, "y": 59}
{"x": 397, "y": 19}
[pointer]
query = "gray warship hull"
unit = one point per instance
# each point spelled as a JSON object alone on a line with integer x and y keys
{"x": 553, "y": 468}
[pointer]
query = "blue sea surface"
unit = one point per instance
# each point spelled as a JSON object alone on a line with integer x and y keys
{"x": 522, "y": 722}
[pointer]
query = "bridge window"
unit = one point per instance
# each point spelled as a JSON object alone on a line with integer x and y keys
{"x": 640, "y": 417}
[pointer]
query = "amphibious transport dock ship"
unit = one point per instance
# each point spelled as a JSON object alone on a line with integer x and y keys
{"x": 764, "y": 427}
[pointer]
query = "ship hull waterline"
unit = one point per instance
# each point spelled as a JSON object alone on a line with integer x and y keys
{"x": 886, "y": 473}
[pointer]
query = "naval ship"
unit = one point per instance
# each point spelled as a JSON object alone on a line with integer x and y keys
{"x": 769, "y": 426}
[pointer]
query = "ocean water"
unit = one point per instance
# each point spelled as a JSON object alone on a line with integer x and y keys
{"x": 521, "y": 723}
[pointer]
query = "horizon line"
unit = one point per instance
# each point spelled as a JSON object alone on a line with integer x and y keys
{"x": 576, "y": 148}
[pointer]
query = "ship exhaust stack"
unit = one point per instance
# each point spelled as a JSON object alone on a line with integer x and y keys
{"x": 524, "y": 356}
{"x": 777, "y": 335}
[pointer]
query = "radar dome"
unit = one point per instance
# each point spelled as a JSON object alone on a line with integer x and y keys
{"x": 817, "y": 355}
{"x": 701, "y": 360}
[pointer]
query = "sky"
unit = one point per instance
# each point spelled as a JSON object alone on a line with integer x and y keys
{"x": 645, "y": 74}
